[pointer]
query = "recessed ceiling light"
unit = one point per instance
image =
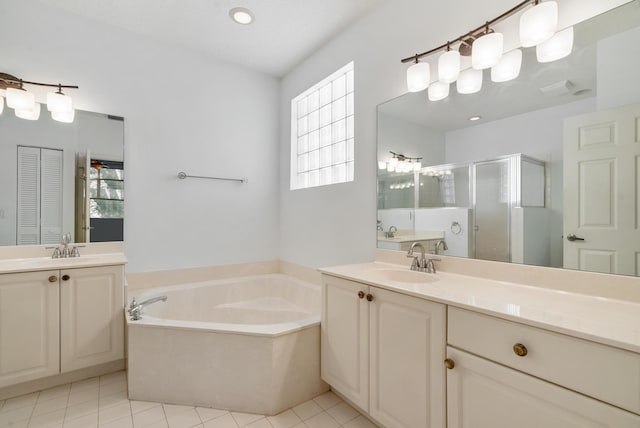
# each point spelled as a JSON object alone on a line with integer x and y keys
{"x": 241, "y": 15}
{"x": 474, "y": 118}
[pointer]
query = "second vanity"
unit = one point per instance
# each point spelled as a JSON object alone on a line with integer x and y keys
{"x": 412, "y": 349}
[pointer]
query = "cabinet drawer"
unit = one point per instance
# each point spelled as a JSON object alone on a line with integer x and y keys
{"x": 608, "y": 374}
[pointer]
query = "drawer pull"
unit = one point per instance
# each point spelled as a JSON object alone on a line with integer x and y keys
{"x": 449, "y": 363}
{"x": 361, "y": 294}
{"x": 65, "y": 277}
{"x": 53, "y": 278}
{"x": 369, "y": 297}
{"x": 520, "y": 349}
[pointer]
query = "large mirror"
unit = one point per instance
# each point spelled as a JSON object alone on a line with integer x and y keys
{"x": 58, "y": 178}
{"x": 540, "y": 170}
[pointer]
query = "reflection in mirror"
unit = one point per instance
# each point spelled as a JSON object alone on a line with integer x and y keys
{"x": 58, "y": 178}
{"x": 545, "y": 176}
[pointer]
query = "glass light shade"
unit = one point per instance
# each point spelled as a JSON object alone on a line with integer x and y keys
{"x": 417, "y": 166}
{"x": 538, "y": 23}
{"x": 418, "y": 76}
{"x": 487, "y": 51}
{"x": 65, "y": 116}
{"x": 29, "y": 114}
{"x": 449, "y": 66}
{"x": 1, "y": 105}
{"x": 20, "y": 99}
{"x": 59, "y": 102}
{"x": 557, "y": 47}
{"x": 508, "y": 68}
{"x": 470, "y": 81}
{"x": 438, "y": 91}
{"x": 382, "y": 165}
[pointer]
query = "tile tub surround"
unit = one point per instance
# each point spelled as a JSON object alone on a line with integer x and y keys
{"x": 102, "y": 402}
{"x": 229, "y": 343}
{"x": 601, "y": 318}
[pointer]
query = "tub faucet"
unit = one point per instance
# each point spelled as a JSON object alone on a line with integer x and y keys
{"x": 418, "y": 264}
{"x": 135, "y": 308}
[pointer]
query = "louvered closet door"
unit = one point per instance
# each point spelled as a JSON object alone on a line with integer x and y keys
{"x": 28, "y": 196}
{"x": 50, "y": 196}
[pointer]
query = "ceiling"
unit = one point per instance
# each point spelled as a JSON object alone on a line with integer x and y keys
{"x": 283, "y": 34}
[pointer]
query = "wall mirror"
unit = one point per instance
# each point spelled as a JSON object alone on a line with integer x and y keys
{"x": 546, "y": 174}
{"x": 58, "y": 178}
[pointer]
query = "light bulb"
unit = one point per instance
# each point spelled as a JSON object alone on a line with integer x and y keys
{"x": 59, "y": 102}
{"x": 487, "y": 51}
{"x": 557, "y": 47}
{"x": 508, "y": 68}
{"x": 538, "y": 23}
{"x": 449, "y": 66}
{"x": 470, "y": 81}
{"x": 418, "y": 77}
{"x": 64, "y": 116}
{"x": 32, "y": 113}
{"x": 438, "y": 91}
{"x": 20, "y": 99}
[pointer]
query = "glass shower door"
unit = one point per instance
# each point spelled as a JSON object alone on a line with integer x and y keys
{"x": 491, "y": 210}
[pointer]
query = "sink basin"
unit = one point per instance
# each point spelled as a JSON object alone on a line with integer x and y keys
{"x": 401, "y": 275}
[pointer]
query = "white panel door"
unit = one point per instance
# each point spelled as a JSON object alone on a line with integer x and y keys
{"x": 601, "y": 191}
{"x": 345, "y": 338}
{"x": 29, "y": 326}
{"x": 28, "y": 232}
{"x": 483, "y": 394}
{"x": 407, "y": 348}
{"x": 92, "y": 316}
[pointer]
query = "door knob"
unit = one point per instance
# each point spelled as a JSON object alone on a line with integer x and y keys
{"x": 449, "y": 363}
{"x": 520, "y": 350}
{"x": 571, "y": 237}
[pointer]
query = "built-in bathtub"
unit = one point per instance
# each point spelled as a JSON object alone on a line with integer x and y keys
{"x": 248, "y": 344}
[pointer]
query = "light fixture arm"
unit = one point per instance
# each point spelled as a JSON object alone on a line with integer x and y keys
{"x": 473, "y": 34}
{"x": 9, "y": 81}
{"x": 403, "y": 158}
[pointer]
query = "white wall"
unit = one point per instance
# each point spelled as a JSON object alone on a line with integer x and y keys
{"x": 184, "y": 112}
{"x": 336, "y": 224}
{"x": 618, "y": 70}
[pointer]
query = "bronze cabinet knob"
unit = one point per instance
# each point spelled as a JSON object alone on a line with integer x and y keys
{"x": 369, "y": 297}
{"x": 53, "y": 278}
{"x": 520, "y": 349}
{"x": 361, "y": 294}
{"x": 65, "y": 277}
{"x": 449, "y": 363}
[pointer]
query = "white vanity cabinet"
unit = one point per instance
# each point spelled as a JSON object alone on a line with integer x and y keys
{"x": 504, "y": 374}
{"x": 383, "y": 351}
{"x": 56, "y": 321}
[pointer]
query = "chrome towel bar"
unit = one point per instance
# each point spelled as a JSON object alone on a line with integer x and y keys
{"x": 183, "y": 175}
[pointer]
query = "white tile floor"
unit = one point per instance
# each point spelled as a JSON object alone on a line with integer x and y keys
{"x": 102, "y": 402}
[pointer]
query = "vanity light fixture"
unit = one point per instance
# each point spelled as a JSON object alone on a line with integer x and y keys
{"x": 24, "y": 102}
{"x": 401, "y": 163}
{"x": 418, "y": 76}
{"x": 538, "y": 26}
{"x": 241, "y": 15}
{"x": 2, "y": 95}
{"x": 438, "y": 91}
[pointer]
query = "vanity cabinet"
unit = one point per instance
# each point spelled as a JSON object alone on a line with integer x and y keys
{"x": 57, "y": 321}
{"x": 501, "y": 372}
{"x": 383, "y": 351}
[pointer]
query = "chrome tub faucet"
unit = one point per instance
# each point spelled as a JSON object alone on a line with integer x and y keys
{"x": 135, "y": 308}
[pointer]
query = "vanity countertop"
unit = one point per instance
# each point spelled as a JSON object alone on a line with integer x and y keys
{"x": 600, "y": 319}
{"x": 30, "y": 264}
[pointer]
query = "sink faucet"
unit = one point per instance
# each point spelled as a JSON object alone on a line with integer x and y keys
{"x": 63, "y": 250}
{"x": 391, "y": 233}
{"x": 135, "y": 308}
{"x": 443, "y": 244}
{"x": 418, "y": 264}
{"x": 430, "y": 266}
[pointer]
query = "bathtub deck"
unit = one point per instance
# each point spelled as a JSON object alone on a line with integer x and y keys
{"x": 102, "y": 402}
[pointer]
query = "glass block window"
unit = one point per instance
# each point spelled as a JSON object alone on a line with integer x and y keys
{"x": 322, "y": 132}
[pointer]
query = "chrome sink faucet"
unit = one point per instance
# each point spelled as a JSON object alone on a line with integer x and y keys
{"x": 417, "y": 264}
{"x": 135, "y": 308}
{"x": 63, "y": 250}
{"x": 391, "y": 233}
{"x": 430, "y": 266}
{"x": 442, "y": 244}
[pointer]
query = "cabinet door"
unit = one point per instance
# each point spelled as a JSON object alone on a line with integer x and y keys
{"x": 482, "y": 394}
{"x": 29, "y": 329}
{"x": 92, "y": 316}
{"x": 345, "y": 339}
{"x": 407, "y": 348}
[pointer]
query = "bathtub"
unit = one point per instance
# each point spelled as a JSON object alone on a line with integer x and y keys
{"x": 249, "y": 344}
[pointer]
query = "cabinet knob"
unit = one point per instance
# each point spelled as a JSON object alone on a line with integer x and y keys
{"x": 369, "y": 297}
{"x": 361, "y": 294}
{"x": 53, "y": 278}
{"x": 65, "y": 277}
{"x": 449, "y": 363}
{"x": 520, "y": 349}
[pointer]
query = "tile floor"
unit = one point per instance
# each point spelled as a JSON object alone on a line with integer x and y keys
{"x": 102, "y": 402}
